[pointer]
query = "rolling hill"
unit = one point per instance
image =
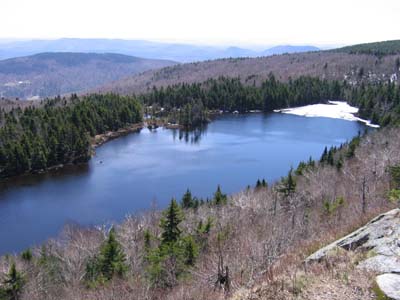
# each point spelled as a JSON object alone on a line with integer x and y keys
{"x": 140, "y": 48}
{"x": 378, "y": 48}
{"x": 49, "y": 74}
{"x": 354, "y": 68}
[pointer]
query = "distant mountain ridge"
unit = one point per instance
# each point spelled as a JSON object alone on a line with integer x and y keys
{"x": 289, "y": 49}
{"x": 139, "y": 48}
{"x": 49, "y": 74}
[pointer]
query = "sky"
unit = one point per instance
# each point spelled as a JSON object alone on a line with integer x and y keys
{"x": 250, "y": 22}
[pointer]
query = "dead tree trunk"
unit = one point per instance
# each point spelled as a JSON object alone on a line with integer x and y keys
{"x": 363, "y": 199}
{"x": 223, "y": 280}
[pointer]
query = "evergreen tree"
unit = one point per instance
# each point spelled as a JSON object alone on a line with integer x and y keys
{"x": 311, "y": 162}
{"x": 111, "y": 260}
{"x": 339, "y": 163}
{"x": 12, "y": 283}
{"x": 329, "y": 159}
{"x": 147, "y": 240}
{"x": 288, "y": 184}
{"x": 174, "y": 254}
{"x": 172, "y": 217}
{"x": 324, "y": 155}
{"x": 291, "y": 183}
{"x": 190, "y": 251}
{"x": 258, "y": 184}
{"x": 219, "y": 197}
{"x": 27, "y": 255}
{"x": 187, "y": 201}
{"x": 264, "y": 183}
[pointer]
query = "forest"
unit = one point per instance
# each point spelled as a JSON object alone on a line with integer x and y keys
{"x": 379, "y": 48}
{"x": 36, "y": 138}
{"x": 59, "y": 132}
{"x": 230, "y": 94}
{"x": 377, "y": 102}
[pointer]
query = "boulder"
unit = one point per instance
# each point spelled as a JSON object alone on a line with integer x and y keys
{"x": 381, "y": 236}
{"x": 389, "y": 285}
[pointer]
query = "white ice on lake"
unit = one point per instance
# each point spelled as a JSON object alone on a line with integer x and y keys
{"x": 335, "y": 109}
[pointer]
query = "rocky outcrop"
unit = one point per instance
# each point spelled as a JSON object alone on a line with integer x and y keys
{"x": 381, "y": 239}
{"x": 390, "y": 285}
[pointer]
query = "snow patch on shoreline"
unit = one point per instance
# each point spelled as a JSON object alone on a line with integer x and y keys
{"x": 335, "y": 109}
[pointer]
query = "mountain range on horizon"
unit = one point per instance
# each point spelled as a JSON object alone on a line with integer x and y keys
{"x": 50, "y": 73}
{"x": 141, "y": 48}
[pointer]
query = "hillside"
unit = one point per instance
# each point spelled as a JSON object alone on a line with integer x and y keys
{"x": 215, "y": 249}
{"x": 141, "y": 48}
{"x": 329, "y": 65}
{"x": 49, "y": 74}
{"x": 361, "y": 265}
{"x": 378, "y": 48}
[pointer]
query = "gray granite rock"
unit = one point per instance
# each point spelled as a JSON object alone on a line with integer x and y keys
{"x": 389, "y": 285}
{"x": 381, "y": 236}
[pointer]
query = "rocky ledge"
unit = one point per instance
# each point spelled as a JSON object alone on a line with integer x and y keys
{"x": 380, "y": 238}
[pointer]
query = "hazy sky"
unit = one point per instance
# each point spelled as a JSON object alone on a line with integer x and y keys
{"x": 205, "y": 21}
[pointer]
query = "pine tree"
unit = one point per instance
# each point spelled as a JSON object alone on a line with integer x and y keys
{"x": 27, "y": 255}
{"x": 147, "y": 240}
{"x": 288, "y": 184}
{"x": 329, "y": 159}
{"x": 324, "y": 155}
{"x": 13, "y": 283}
{"x": 264, "y": 183}
{"x": 339, "y": 163}
{"x": 258, "y": 184}
{"x": 187, "y": 201}
{"x": 190, "y": 251}
{"x": 112, "y": 258}
{"x": 172, "y": 217}
{"x": 311, "y": 162}
{"x": 219, "y": 197}
{"x": 291, "y": 183}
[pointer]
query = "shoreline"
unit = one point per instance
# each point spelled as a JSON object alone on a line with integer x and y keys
{"x": 95, "y": 142}
{"x": 103, "y": 138}
{"x": 346, "y": 112}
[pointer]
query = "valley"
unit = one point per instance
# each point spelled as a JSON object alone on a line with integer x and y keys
{"x": 233, "y": 151}
{"x": 263, "y": 165}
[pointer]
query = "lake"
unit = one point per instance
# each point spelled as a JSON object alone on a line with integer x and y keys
{"x": 129, "y": 173}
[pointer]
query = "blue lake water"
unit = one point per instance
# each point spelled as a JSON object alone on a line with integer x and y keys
{"x": 128, "y": 173}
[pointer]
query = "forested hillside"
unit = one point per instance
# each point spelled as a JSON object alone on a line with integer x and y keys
{"x": 51, "y": 74}
{"x": 378, "y": 49}
{"x": 379, "y": 103}
{"x": 353, "y": 68}
{"x": 34, "y": 139}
